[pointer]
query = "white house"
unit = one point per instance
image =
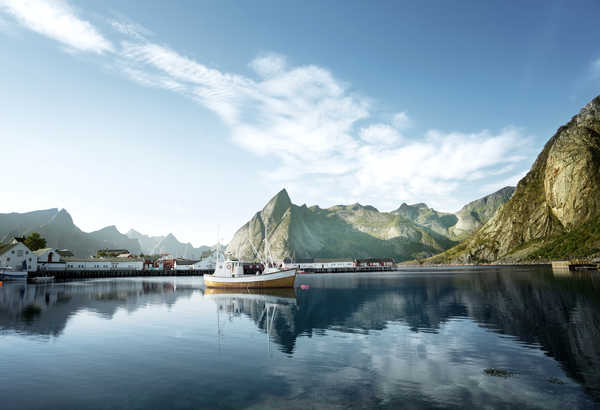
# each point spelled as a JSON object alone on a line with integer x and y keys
{"x": 103, "y": 264}
{"x": 184, "y": 264}
{"x": 49, "y": 259}
{"x": 16, "y": 255}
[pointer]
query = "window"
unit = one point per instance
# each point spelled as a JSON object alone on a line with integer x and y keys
{"x": 13, "y": 252}
{"x": 7, "y": 259}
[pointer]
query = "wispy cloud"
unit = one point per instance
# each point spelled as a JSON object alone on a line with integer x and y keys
{"x": 595, "y": 68}
{"x": 57, "y": 20}
{"x": 302, "y": 119}
{"x": 402, "y": 121}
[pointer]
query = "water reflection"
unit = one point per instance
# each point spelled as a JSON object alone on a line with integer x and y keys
{"x": 419, "y": 336}
{"x": 272, "y": 310}
{"x": 44, "y": 310}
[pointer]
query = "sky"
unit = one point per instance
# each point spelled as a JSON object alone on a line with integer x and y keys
{"x": 186, "y": 117}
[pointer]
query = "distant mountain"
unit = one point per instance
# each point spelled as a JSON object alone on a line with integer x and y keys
{"x": 411, "y": 231}
{"x": 555, "y": 210}
{"x": 153, "y": 245}
{"x": 478, "y": 212}
{"x": 147, "y": 243}
{"x": 60, "y": 232}
{"x": 421, "y": 214}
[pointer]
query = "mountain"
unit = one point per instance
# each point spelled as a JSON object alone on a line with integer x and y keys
{"x": 421, "y": 214}
{"x": 113, "y": 239}
{"x": 555, "y": 210}
{"x": 147, "y": 243}
{"x": 60, "y": 232}
{"x": 476, "y": 213}
{"x": 153, "y": 245}
{"x": 411, "y": 231}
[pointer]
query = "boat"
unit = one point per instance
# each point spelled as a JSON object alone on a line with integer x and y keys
{"x": 8, "y": 273}
{"x": 230, "y": 273}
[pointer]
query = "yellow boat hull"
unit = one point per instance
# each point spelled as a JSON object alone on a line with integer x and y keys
{"x": 251, "y": 282}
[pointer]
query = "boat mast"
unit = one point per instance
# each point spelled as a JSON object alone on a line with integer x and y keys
{"x": 268, "y": 255}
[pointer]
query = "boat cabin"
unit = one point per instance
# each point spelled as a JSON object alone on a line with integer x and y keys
{"x": 229, "y": 269}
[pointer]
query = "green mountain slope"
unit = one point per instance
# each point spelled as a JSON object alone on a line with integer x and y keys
{"x": 411, "y": 231}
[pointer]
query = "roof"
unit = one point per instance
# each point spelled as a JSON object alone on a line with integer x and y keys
{"x": 305, "y": 260}
{"x": 185, "y": 261}
{"x": 330, "y": 260}
{"x": 100, "y": 260}
{"x": 5, "y": 247}
{"x": 375, "y": 260}
{"x": 42, "y": 251}
{"x": 64, "y": 252}
{"x": 124, "y": 255}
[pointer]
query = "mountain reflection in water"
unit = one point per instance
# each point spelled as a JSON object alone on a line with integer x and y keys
{"x": 422, "y": 337}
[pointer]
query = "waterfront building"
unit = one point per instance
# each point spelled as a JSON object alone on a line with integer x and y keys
{"x": 184, "y": 264}
{"x": 103, "y": 264}
{"x": 49, "y": 259}
{"x": 112, "y": 253}
{"x": 18, "y": 256}
{"x": 65, "y": 253}
{"x": 374, "y": 262}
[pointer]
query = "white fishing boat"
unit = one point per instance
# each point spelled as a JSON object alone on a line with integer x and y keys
{"x": 229, "y": 273}
{"x": 8, "y": 273}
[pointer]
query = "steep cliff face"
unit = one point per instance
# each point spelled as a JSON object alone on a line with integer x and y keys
{"x": 560, "y": 193}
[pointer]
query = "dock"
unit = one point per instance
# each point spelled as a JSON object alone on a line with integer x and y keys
{"x": 97, "y": 274}
{"x": 574, "y": 265}
{"x": 353, "y": 269}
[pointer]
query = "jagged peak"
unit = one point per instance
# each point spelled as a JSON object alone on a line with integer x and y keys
{"x": 277, "y": 206}
{"x": 281, "y": 197}
{"x": 62, "y": 216}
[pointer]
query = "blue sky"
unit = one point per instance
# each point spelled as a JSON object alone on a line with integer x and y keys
{"x": 185, "y": 116}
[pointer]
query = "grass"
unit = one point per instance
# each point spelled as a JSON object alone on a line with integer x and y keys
{"x": 580, "y": 242}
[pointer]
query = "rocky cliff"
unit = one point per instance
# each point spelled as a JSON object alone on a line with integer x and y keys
{"x": 555, "y": 210}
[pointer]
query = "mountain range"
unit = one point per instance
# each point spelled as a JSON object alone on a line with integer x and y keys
{"x": 57, "y": 227}
{"x": 154, "y": 245}
{"x": 361, "y": 231}
{"x": 554, "y": 212}
{"x": 60, "y": 232}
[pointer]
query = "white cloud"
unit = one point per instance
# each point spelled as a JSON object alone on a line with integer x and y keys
{"x": 302, "y": 120}
{"x": 402, "y": 121}
{"x": 57, "y": 20}
{"x": 380, "y": 134}
{"x": 512, "y": 180}
{"x": 268, "y": 65}
{"x": 130, "y": 28}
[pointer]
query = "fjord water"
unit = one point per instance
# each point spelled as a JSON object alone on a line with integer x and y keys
{"x": 418, "y": 338}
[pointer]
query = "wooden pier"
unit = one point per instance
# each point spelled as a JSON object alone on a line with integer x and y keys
{"x": 97, "y": 274}
{"x": 574, "y": 265}
{"x": 346, "y": 270}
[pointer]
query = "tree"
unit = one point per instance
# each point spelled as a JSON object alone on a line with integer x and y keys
{"x": 35, "y": 242}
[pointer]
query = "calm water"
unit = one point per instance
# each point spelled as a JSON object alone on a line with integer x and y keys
{"x": 410, "y": 339}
